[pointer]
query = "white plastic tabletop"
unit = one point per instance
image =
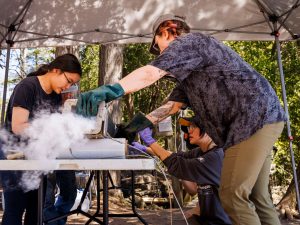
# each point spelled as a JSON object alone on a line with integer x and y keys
{"x": 78, "y": 164}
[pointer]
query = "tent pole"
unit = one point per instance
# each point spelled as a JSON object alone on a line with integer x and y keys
{"x": 289, "y": 133}
{"x": 14, "y": 23}
{"x": 274, "y": 19}
{"x": 14, "y": 27}
{"x": 9, "y": 45}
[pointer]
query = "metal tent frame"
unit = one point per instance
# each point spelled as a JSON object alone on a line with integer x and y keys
{"x": 275, "y": 22}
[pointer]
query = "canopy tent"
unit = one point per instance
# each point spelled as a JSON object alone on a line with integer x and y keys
{"x": 38, "y": 23}
{"x": 58, "y": 22}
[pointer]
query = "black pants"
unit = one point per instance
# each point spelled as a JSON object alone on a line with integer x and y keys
{"x": 211, "y": 210}
{"x": 16, "y": 202}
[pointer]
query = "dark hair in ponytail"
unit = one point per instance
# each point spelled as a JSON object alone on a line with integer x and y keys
{"x": 43, "y": 69}
{"x": 67, "y": 62}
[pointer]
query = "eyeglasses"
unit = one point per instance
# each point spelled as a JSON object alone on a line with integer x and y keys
{"x": 68, "y": 80}
{"x": 191, "y": 127}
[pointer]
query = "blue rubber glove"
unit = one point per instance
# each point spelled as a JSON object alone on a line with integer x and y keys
{"x": 88, "y": 102}
{"x": 146, "y": 136}
{"x": 81, "y": 106}
{"x": 139, "y": 146}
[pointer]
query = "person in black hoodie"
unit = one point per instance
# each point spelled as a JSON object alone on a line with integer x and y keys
{"x": 201, "y": 165}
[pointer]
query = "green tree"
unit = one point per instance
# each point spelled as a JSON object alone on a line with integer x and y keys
{"x": 148, "y": 99}
{"x": 89, "y": 56}
{"x": 262, "y": 56}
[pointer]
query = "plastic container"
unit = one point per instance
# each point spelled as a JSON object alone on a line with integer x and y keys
{"x": 86, "y": 203}
{"x": 70, "y": 93}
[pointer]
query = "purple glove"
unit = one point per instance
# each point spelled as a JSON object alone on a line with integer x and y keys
{"x": 139, "y": 146}
{"x": 146, "y": 136}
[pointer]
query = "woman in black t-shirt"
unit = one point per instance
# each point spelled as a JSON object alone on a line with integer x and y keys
{"x": 38, "y": 92}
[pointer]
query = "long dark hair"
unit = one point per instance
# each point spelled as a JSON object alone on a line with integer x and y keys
{"x": 67, "y": 62}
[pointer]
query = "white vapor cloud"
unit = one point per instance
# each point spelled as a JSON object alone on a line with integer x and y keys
{"x": 49, "y": 135}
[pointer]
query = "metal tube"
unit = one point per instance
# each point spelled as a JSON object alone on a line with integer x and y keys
{"x": 5, "y": 81}
{"x": 133, "y": 200}
{"x": 289, "y": 133}
{"x": 183, "y": 143}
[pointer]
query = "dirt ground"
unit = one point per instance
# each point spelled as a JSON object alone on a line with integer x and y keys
{"x": 161, "y": 217}
{"x": 152, "y": 217}
{"x": 158, "y": 216}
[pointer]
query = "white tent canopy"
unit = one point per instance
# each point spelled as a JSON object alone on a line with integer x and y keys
{"x": 58, "y": 22}
{"x": 41, "y": 23}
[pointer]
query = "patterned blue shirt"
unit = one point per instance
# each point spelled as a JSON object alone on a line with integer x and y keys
{"x": 231, "y": 99}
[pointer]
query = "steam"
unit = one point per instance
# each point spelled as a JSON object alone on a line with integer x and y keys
{"x": 49, "y": 135}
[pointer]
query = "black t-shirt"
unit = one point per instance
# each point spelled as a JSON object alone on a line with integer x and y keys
{"x": 30, "y": 95}
{"x": 178, "y": 95}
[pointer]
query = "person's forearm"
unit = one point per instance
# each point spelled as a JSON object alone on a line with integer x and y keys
{"x": 164, "y": 111}
{"x": 141, "y": 78}
{"x": 19, "y": 128}
{"x": 149, "y": 151}
{"x": 159, "y": 151}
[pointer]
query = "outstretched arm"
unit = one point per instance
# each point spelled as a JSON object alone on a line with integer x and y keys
{"x": 164, "y": 111}
{"x": 88, "y": 102}
{"x": 146, "y": 136}
{"x": 160, "y": 151}
{"x": 176, "y": 100}
{"x": 141, "y": 78}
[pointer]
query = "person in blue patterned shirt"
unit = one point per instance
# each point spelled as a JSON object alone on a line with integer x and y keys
{"x": 236, "y": 105}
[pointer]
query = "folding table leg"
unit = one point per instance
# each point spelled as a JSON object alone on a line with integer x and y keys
{"x": 105, "y": 197}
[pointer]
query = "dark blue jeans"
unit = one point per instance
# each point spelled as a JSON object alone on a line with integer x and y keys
{"x": 66, "y": 182}
{"x": 16, "y": 201}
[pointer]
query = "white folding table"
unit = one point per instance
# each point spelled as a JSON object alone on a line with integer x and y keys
{"x": 82, "y": 164}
